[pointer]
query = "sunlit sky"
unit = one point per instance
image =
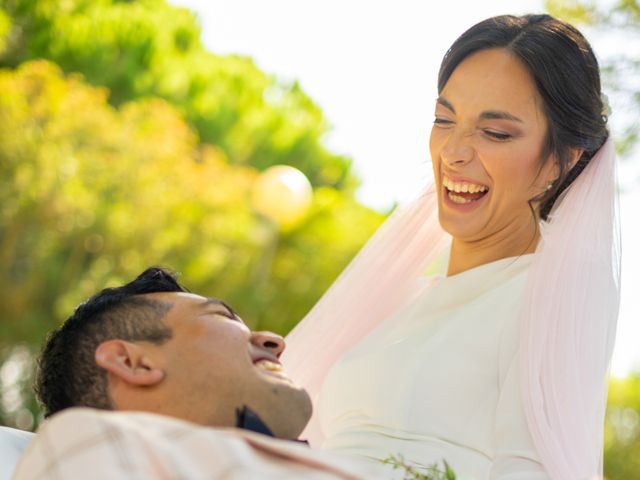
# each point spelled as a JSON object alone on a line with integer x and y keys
{"x": 371, "y": 65}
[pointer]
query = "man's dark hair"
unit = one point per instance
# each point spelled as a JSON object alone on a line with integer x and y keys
{"x": 67, "y": 371}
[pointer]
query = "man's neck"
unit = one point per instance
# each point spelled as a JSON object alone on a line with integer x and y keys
{"x": 249, "y": 420}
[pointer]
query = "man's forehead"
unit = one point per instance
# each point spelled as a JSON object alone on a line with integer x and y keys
{"x": 180, "y": 295}
{"x": 185, "y": 306}
{"x": 185, "y": 299}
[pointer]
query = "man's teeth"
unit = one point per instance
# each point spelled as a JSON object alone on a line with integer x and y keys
{"x": 463, "y": 187}
{"x": 270, "y": 366}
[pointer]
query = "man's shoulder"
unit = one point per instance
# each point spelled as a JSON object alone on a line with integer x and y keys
{"x": 119, "y": 443}
{"x": 87, "y": 424}
{"x": 74, "y": 430}
{"x": 90, "y": 421}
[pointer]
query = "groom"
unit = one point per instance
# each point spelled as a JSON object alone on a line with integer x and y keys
{"x": 178, "y": 387}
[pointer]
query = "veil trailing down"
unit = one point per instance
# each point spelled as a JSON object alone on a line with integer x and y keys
{"x": 382, "y": 277}
{"x": 567, "y": 320}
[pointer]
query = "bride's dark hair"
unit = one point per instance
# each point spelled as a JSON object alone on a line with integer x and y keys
{"x": 567, "y": 77}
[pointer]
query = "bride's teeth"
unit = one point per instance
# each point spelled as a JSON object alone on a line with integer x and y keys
{"x": 458, "y": 199}
{"x": 462, "y": 187}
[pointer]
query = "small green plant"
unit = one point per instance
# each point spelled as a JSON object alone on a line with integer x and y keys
{"x": 432, "y": 472}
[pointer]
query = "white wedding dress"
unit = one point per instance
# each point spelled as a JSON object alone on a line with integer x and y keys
{"x": 440, "y": 380}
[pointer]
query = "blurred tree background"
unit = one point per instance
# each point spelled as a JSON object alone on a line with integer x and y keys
{"x": 124, "y": 143}
{"x": 615, "y": 22}
{"x": 622, "y": 429}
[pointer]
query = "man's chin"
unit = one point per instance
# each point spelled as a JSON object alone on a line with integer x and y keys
{"x": 303, "y": 412}
{"x": 289, "y": 416}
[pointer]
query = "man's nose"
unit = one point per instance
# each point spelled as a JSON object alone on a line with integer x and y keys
{"x": 268, "y": 341}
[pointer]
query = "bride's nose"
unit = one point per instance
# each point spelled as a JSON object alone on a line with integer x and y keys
{"x": 457, "y": 150}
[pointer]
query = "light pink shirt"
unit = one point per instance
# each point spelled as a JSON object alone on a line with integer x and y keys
{"x": 84, "y": 443}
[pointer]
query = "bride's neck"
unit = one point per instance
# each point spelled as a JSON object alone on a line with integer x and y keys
{"x": 503, "y": 244}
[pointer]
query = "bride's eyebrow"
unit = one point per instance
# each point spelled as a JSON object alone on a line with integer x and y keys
{"x": 488, "y": 115}
{"x": 445, "y": 103}
{"x": 499, "y": 115}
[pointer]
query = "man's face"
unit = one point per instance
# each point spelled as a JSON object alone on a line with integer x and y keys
{"x": 214, "y": 364}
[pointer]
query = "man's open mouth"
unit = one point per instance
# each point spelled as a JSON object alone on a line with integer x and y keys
{"x": 268, "y": 365}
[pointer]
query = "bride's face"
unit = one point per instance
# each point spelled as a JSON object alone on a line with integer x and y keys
{"x": 486, "y": 146}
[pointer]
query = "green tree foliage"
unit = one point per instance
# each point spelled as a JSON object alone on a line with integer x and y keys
{"x": 91, "y": 194}
{"x": 124, "y": 144}
{"x": 148, "y": 48}
{"x": 622, "y": 429}
{"x": 617, "y": 21}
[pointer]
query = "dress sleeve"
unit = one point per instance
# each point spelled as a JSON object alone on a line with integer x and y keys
{"x": 515, "y": 455}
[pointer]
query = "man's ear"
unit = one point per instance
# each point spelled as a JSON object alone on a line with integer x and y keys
{"x": 129, "y": 362}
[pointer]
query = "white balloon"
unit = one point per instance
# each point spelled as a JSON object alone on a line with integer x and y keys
{"x": 283, "y": 194}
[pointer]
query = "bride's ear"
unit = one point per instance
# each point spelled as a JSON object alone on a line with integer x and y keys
{"x": 553, "y": 168}
{"x": 576, "y": 153}
{"x": 128, "y": 362}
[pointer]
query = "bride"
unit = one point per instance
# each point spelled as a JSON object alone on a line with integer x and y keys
{"x": 498, "y": 365}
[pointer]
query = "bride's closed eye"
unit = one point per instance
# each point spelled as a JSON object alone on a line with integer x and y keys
{"x": 495, "y": 135}
{"x": 442, "y": 121}
{"x": 491, "y": 134}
